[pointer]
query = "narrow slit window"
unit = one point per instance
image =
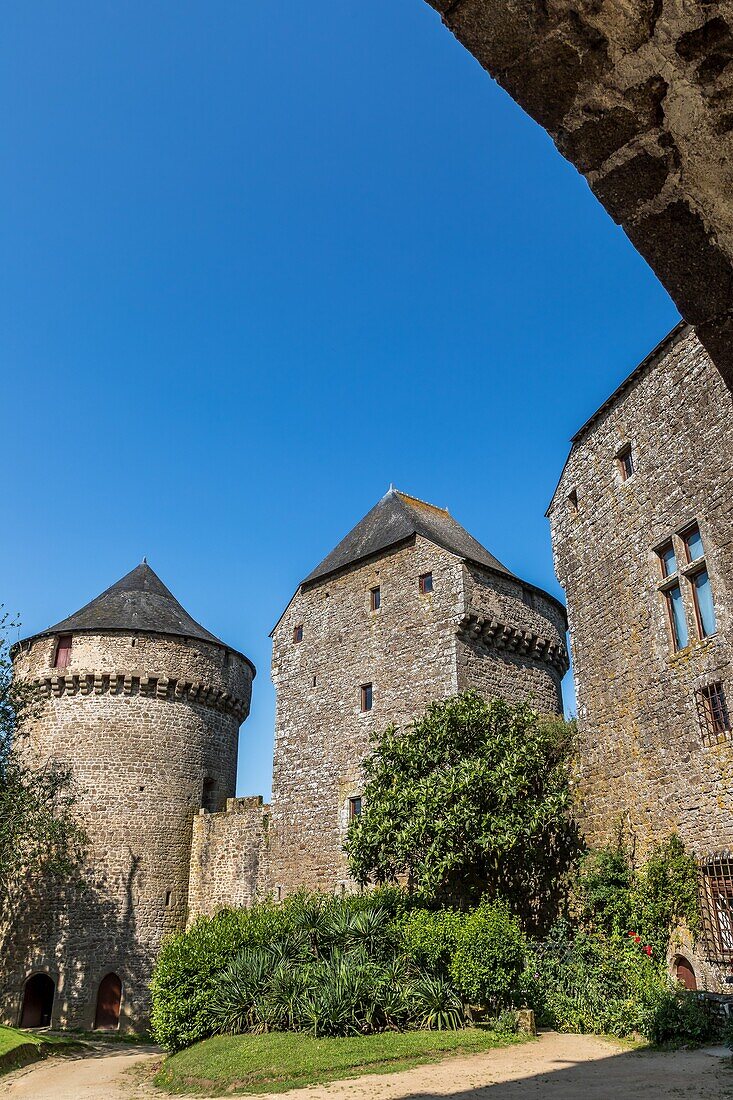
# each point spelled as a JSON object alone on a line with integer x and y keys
{"x": 168, "y": 898}
{"x": 354, "y": 807}
{"x": 625, "y": 460}
{"x": 375, "y": 598}
{"x": 298, "y": 633}
{"x": 677, "y": 617}
{"x": 426, "y": 584}
{"x": 704, "y": 609}
{"x": 62, "y": 655}
{"x": 366, "y": 697}
{"x": 573, "y": 500}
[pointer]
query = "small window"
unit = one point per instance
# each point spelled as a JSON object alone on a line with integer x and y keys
{"x": 63, "y": 651}
{"x": 366, "y": 697}
{"x": 168, "y": 898}
{"x": 208, "y": 793}
{"x": 712, "y": 708}
{"x": 354, "y": 807}
{"x": 692, "y": 539}
{"x": 625, "y": 460}
{"x": 375, "y": 598}
{"x": 426, "y": 583}
{"x": 677, "y": 617}
{"x": 573, "y": 501}
{"x": 298, "y": 633}
{"x": 704, "y": 609}
{"x": 668, "y": 559}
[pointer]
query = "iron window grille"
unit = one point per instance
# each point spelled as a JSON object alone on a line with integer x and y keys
{"x": 716, "y": 905}
{"x": 712, "y": 709}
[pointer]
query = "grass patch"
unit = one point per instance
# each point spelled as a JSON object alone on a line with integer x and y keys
{"x": 18, "y": 1048}
{"x": 240, "y": 1064}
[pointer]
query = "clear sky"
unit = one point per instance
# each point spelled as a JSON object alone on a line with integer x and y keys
{"x": 257, "y": 261}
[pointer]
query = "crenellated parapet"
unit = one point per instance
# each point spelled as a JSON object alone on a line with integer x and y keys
{"x": 156, "y": 685}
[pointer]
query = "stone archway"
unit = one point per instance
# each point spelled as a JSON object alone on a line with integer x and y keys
{"x": 684, "y": 972}
{"x": 38, "y": 994}
{"x": 109, "y": 1000}
{"x": 639, "y": 97}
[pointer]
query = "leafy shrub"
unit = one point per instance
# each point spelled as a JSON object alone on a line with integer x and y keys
{"x": 614, "y": 897}
{"x": 487, "y": 964}
{"x": 681, "y": 1018}
{"x": 506, "y": 1023}
{"x": 430, "y": 939}
{"x": 194, "y": 968}
{"x": 592, "y": 983}
{"x": 726, "y": 1033}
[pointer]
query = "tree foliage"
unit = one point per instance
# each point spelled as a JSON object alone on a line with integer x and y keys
{"x": 41, "y": 843}
{"x": 471, "y": 799}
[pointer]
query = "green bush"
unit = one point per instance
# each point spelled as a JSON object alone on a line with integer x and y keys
{"x": 680, "y": 1018}
{"x": 430, "y": 938}
{"x": 597, "y": 984}
{"x": 487, "y": 964}
{"x": 189, "y": 965}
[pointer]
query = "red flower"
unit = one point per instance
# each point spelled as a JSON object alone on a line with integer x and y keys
{"x": 648, "y": 950}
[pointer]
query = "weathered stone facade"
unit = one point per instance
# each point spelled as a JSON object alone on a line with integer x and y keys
{"x": 651, "y": 754}
{"x": 639, "y": 97}
{"x": 229, "y": 857}
{"x": 149, "y": 724}
{"x": 478, "y": 626}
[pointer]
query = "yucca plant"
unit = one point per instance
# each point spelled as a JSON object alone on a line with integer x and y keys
{"x": 239, "y": 989}
{"x": 435, "y": 1004}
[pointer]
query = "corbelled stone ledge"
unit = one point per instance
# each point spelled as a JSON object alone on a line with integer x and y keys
{"x": 154, "y": 684}
{"x": 501, "y": 636}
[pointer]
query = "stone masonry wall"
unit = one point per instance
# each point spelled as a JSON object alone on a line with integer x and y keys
{"x": 642, "y": 756}
{"x": 143, "y": 721}
{"x": 406, "y": 650}
{"x": 513, "y": 642}
{"x": 415, "y": 649}
{"x": 229, "y": 857}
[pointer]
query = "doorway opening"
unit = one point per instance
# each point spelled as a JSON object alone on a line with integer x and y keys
{"x": 109, "y": 999}
{"x": 684, "y": 972}
{"x": 37, "y": 1001}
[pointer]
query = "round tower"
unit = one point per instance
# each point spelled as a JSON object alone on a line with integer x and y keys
{"x": 145, "y": 706}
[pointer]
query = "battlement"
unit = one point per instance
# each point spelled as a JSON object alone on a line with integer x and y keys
{"x": 230, "y": 853}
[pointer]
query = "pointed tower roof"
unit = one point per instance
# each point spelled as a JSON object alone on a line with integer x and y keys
{"x": 138, "y": 602}
{"x": 395, "y": 519}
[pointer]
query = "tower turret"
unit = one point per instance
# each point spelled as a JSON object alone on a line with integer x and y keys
{"x": 144, "y": 705}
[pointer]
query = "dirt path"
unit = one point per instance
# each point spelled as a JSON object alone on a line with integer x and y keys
{"x": 557, "y": 1067}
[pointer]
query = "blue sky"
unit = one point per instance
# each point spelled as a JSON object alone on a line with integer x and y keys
{"x": 258, "y": 262}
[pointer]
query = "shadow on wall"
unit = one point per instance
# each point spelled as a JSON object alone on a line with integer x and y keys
{"x": 79, "y": 935}
{"x": 628, "y": 1075}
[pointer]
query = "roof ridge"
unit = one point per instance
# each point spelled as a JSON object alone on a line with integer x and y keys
{"x": 409, "y": 498}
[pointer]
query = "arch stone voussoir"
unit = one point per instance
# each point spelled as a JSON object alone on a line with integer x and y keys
{"x": 639, "y": 97}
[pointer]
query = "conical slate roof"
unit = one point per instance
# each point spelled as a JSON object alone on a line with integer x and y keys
{"x": 396, "y": 518}
{"x": 138, "y": 602}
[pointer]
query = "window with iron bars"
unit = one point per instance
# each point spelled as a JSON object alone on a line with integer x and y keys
{"x": 712, "y": 710}
{"x": 716, "y": 904}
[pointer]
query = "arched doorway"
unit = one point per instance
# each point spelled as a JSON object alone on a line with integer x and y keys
{"x": 109, "y": 997}
{"x": 684, "y": 972}
{"x": 37, "y": 1001}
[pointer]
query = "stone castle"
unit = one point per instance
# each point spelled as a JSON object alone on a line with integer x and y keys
{"x": 146, "y": 704}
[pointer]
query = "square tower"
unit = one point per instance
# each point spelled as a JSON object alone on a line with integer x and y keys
{"x": 408, "y": 609}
